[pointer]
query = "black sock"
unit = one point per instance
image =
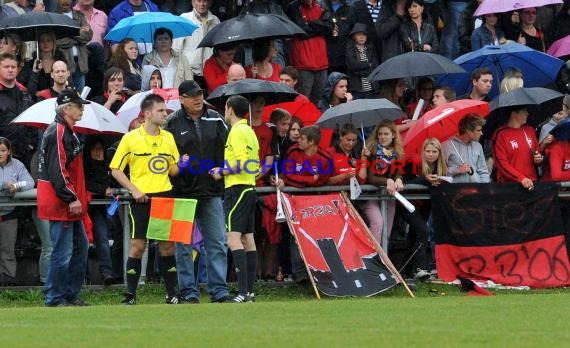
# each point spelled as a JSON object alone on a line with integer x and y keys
{"x": 241, "y": 270}
{"x": 251, "y": 260}
{"x": 168, "y": 272}
{"x": 133, "y": 274}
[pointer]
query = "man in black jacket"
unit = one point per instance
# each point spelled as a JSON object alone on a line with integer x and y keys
{"x": 201, "y": 134}
{"x": 15, "y": 99}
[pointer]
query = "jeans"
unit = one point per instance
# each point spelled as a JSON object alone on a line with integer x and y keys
{"x": 68, "y": 262}
{"x": 210, "y": 214}
{"x": 450, "y": 36}
{"x": 98, "y": 215}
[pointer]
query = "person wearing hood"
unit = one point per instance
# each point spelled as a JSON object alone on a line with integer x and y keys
{"x": 150, "y": 78}
{"x": 464, "y": 154}
{"x": 361, "y": 59}
{"x": 335, "y": 91}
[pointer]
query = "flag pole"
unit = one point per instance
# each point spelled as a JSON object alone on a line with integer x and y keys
{"x": 288, "y": 213}
{"x": 381, "y": 253}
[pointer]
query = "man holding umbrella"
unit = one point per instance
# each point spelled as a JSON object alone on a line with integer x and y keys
{"x": 128, "y": 8}
{"x": 516, "y": 151}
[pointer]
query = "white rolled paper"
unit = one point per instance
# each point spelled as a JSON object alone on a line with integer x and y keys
{"x": 409, "y": 206}
{"x": 355, "y": 189}
{"x": 418, "y": 109}
{"x": 85, "y": 92}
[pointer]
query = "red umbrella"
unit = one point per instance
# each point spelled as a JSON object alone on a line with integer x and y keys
{"x": 306, "y": 111}
{"x": 303, "y": 109}
{"x": 440, "y": 123}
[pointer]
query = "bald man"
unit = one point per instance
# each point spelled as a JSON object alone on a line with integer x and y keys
{"x": 60, "y": 75}
{"x": 236, "y": 72}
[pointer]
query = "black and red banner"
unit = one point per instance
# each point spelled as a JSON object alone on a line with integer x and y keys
{"x": 500, "y": 232}
{"x": 338, "y": 250}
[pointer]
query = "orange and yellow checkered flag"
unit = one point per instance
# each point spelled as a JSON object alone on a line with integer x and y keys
{"x": 171, "y": 219}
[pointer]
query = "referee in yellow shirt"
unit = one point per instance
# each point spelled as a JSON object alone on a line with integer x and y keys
{"x": 152, "y": 155}
{"x": 241, "y": 166}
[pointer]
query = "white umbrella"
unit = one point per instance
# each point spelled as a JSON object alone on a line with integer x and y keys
{"x": 96, "y": 118}
{"x": 132, "y": 106}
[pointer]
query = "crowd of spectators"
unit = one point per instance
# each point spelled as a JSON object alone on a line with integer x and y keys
{"x": 346, "y": 40}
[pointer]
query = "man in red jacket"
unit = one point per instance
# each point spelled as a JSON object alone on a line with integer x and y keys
{"x": 309, "y": 56}
{"x": 62, "y": 199}
{"x": 307, "y": 164}
{"x": 516, "y": 151}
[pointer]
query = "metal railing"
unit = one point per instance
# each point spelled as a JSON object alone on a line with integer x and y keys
{"x": 369, "y": 192}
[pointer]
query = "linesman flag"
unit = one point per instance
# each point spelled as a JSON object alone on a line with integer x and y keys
{"x": 171, "y": 219}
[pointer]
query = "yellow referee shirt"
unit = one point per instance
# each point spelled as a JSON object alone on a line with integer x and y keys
{"x": 149, "y": 158}
{"x": 242, "y": 148}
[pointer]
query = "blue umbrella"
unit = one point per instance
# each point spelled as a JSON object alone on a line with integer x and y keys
{"x": 141, "y": 28}
{"x": 562, "y": 130}
{"x": 539, "y": 69}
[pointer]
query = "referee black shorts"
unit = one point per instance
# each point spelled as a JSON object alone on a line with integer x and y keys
{"x": 140, "y": 214}
{"x": 239, "y": 206}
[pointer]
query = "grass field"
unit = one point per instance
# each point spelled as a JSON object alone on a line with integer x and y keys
{"x": 440, "y": 316}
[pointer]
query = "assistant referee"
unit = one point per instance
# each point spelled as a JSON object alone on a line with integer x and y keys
{"x": 241, "y": 155}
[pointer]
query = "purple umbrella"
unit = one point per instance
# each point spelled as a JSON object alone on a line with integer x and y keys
{"x": 560, "y": 48}
{"x": 494, "y": 6}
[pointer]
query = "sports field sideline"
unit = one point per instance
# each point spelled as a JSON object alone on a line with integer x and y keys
{"x": 440, "y": 316}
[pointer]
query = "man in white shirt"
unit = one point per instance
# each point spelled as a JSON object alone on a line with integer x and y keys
{"x": 205, "y": 20}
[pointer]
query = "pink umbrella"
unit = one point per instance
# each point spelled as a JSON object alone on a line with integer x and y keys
{"x": 560, "y": 47}
{"x": 500, "y": 6}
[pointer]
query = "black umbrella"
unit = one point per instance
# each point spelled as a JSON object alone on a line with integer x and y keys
{"x": 273, "y": 92}
{"x": 29, "y": 24}
{"x": 251, "y": 26}
{"x": 414, "y": 64}
{"x": 360, "y": 112}
{"x": 541, "y": 104}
